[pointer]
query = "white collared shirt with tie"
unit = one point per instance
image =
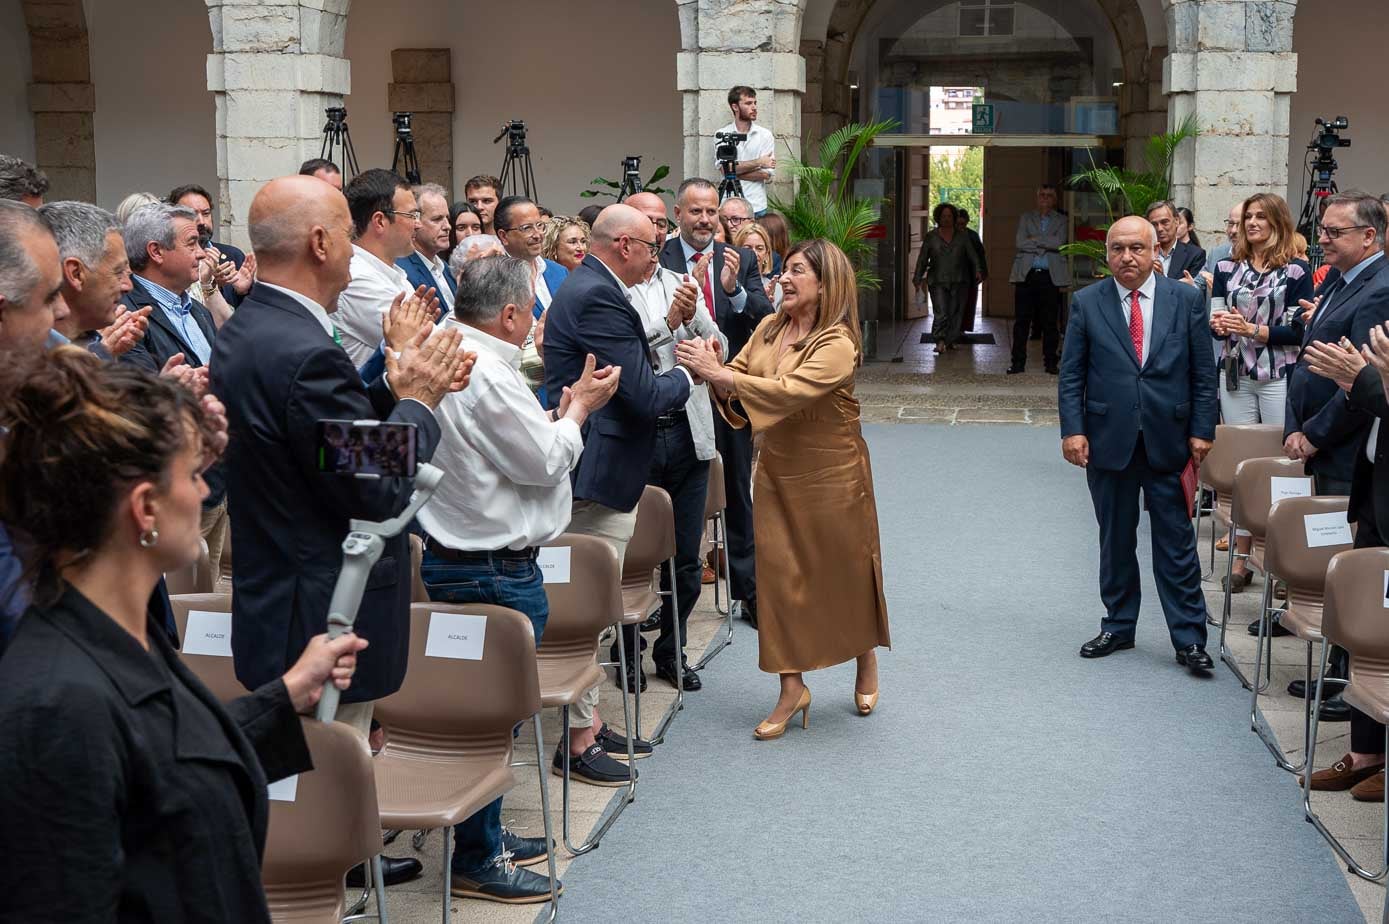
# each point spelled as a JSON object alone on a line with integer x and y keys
{"x": 1146, "y": 292}
{"x": 440, "y": 271}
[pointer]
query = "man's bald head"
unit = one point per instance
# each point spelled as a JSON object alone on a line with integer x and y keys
{"x": 620, "y": 239}
{"x": 643, "y": 201}
{"x": 654, "y": 208}
{"x": 301, "y": 232}
{"x": 617, "y": 220}
{"x": 1129, "y": 245}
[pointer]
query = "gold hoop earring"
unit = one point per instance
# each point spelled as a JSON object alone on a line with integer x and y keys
{"x": 149, "y": 538}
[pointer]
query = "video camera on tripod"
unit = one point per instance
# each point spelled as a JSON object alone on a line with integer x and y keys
{"x": 1321, "y": 168}
{"x": 726, "y": 152}
{"x": 517, "y": 174}
{"x": 405, "y": 147}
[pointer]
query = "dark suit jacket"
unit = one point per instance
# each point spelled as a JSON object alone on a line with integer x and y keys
{"x": 279, "y": 373}
{"x": 1315, "y": 406}
{"x": 1367, "y": 397}
{"x": 417, "y": 271}
{"x": 159, "y": 795}
{"x": 1186, "y": 258}
{"x": 591, "y": 314}
{"x": 736, "y": 326}
{"x": 1106, "y": 396}
{"x": 161, "y": 341}
{"x": 238, "y": 257}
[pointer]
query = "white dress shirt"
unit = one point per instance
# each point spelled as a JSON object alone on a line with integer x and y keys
{"x": 760, "y": 143}
{"x": 440, "y": 271}
{"x": 542, "y": 288}
{"x": 1145, "y": 306}
{"x": 367, "y": 297}
{"x": 653, "y": 299}
{"x": 506, "y": 463}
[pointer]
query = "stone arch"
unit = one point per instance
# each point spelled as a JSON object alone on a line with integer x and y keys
{"x": 61, "y": 96}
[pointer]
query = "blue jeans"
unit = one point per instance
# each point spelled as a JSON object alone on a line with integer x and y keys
{"x": 518, "y": 586}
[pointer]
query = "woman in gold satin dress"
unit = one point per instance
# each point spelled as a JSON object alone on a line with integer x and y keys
{"x": 819, "y": 564}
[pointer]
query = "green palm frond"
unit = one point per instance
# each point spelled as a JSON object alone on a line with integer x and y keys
{"x": 1130, "y": 190}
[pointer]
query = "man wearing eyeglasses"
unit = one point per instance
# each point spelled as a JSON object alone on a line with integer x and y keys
{"x": 734, "y": 212}
{"x": 384, "y": 220}
{"x": 1319, "y": 427}
{"x": 521, "y": 229}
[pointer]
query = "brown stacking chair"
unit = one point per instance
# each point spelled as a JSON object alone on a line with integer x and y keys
{"x": 330, "y": 827}
{"x": 714, "y": 503}
{"x": 1249, "y": 509}
{"x": 218, "y": 674}
{"x": 1233, "y": 444}
{"x": 580, "y": 612}
{"x": 196, "y": 578}
{"x": 1353, "y": 617}
{"x": 1302, "y": 569}
{"x": 652, "y": 545}
{"x": 449, "y": 730}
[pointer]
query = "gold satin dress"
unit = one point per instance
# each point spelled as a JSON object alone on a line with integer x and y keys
{"x": 819, "y": 563}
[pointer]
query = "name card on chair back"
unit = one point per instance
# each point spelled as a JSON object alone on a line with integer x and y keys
{"x": 284, "y": 790}
{"x": 456, "y": 635}
{"x": 554, "y": 565}
{"x": 1280, "y": 488}
{"x": 208, "y": 634}
{"x": 1325, "y": 529}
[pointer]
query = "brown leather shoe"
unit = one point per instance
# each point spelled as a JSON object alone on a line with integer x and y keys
{"x": 1339, "y": 776}
{"x": 708, "y": 577}
{"x": 1369, "y": 790}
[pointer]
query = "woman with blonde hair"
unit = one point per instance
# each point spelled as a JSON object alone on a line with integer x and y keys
{"x": 566, "y": 241}
{"x": 819, "y": 562}
{"x": 1255, "y": 312}
{"x": 756, "y": 238}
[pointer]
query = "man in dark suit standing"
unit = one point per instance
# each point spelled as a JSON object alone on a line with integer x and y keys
{"x": 592, "y": 313}
{"x": 1177, "y": 259}
{"x": 280, "y": 372}
{"x": 1137, "y": 397}
{"x": 424, "y": 266}
{"x": 733, "y": 293}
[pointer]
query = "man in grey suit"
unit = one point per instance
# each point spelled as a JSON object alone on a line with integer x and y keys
{"x": 1039, "y": 274}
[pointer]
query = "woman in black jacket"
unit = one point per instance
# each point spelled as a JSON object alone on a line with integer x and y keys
{"x": 128, "y": 793}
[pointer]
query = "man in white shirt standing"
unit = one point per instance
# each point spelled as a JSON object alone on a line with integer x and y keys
{"x": 521, "y": 229}
{"x": 424, "y": 266}
{"x": 672, "y": 310}
{"x": 756, "y": 155}
{"x": 384, "y": 220}
{"x": 507, "y": 492}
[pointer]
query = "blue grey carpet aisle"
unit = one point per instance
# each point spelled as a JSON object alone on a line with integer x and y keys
{"x": 1002, "y": 777}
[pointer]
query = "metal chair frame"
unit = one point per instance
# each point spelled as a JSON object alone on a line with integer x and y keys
{"x": 1257, "y": 723}
{"x": 725, "y": 636}
{"x": 1226, "y": 654}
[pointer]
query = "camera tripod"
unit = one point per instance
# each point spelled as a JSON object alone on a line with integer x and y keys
{"x": 1321, "y": 170}
{"x": 405, "y": 148}
{"x": 729, "y": 186}
{"x": 336, "y": 135}
{"x": 517, "y": 176}
{"x": 631, "y": 177}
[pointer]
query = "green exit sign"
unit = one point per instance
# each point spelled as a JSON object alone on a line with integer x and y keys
{"x": 983, "y": 118}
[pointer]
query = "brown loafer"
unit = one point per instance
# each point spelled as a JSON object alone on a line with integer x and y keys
{"x": 1339, "y": 776}
{"x": 1369, "y": 790}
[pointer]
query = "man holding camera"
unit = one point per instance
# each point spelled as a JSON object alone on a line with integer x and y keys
{"x": 756, "y": 160}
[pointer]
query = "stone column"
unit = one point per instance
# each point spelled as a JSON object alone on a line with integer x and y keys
{"x": 755, "y": 43}
{"x": 1232, "y": 65}
{"x": 423, "y": 85}
{"x": 274, "y": 68}
{"x": 62, "y": 98}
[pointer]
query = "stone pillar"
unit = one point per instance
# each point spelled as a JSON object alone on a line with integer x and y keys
{"x": 1232, "y": 65}
{"x": 423, "y": 85}
{"x": 274, "y": 68}
{"x": 755, "y": 43}
{"x": 62, "y": 97}
{"x": 1143, "y": 106}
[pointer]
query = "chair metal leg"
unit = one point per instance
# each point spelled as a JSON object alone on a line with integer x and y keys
{"x": 660, "y": 734}
{"x": 550, "y": 845}
{"x": 1257, "y": 723}
{"x": 721, "y": 564}
{"x": 621, "y": 665}
{"x": 726, "y": 634}
{"x": 417, "y": 840}
{"x": 375, "y": 886}
{"x": 448, "y": 859}
{"x": 597, "y": 835}
{"x": 1312, "y": 816}
{"x": 1226, "y": 654}
{"x": 379, "y": 877}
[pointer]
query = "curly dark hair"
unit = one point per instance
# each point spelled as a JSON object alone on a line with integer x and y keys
{"x": 940, "y": 210}
{"x": 78, "y": 431}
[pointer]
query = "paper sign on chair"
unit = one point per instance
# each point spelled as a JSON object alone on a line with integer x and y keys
{"x": 456, "y": 635}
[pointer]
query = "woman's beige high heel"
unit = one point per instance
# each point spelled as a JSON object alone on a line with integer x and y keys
{"x": 865, "y": 702}
{"x": 769, "y": 730}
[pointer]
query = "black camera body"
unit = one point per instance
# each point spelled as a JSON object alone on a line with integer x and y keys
{"x": 726, "y": 148}
{"x": 402, "y": 124}
{"x": 514, "y": 132}
{"x": 1327, "y": 139}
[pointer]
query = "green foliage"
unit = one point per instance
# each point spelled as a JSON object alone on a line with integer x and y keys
{"x": 612, "y": 187}
{"x": 825, "y": 205}
{"x": 959, "y": 180}
{"x": 1126, "y": 191}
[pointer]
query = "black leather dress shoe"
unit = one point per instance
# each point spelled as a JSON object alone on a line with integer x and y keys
{"x": 1104, "y": 644}
{"x": 1334, "y": 710}
{"x": 667, "y": 673}
{"x": 1275, "y": 629}
{"x": 1195, "y": 658}
{"x": 651, "y": 623}
{"x": 1331, "y": 688}
{"x": 394, "y": 870}
{"x": 636, "y": 679}
{"x": 1016, "y": 370}
{"x": 747, "y": 611}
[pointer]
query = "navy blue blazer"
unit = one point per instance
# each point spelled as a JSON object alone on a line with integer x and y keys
{"x": 591, "y": 314}
{"x": 238, "y": 257}
{"x": 1315, "y": 406}
{"x": 1186, "y": 258}
{"x": 417, "y": 271}
{"x": 736, "y": 326}
{"x": 1106, "y": 396}
{"x": 279, "y": 373}
{"x": 554, "y": 274}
